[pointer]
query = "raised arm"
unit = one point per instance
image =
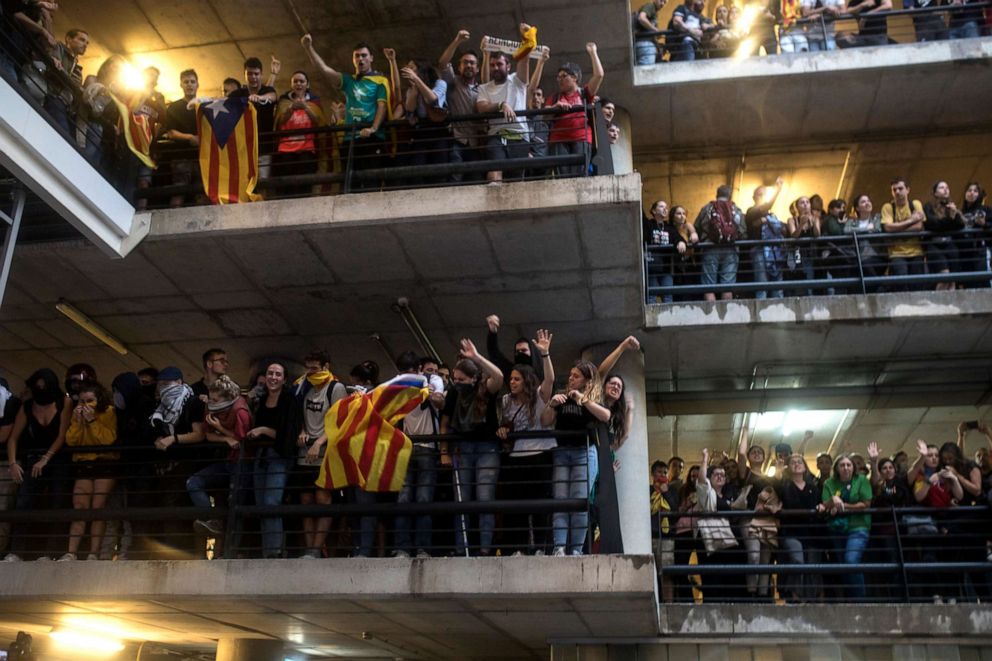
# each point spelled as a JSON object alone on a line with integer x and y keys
{"x": 873, "y": 454}
{"x": 523, "y": 64}
{"x": 396, "y": 112}
{"x": 543, "y": 344}
{"x": 449, "y": 52}
{"x": 494, "y": 376}
{"x": 275, "y": 66}
{"x": 914, "y": 470}
{"x": 610, "y": 361}
{"x": 535, "y": 77}
{"x": 597, "y": 69}
{"x": 484, "y": 67}
{"x": 333, "y": 77}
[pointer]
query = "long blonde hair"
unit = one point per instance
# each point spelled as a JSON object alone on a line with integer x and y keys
{"x": 594, "y": 384}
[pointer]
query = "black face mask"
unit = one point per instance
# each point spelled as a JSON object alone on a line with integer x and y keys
{"x": 520, "y": 358}
{"x": 42, "y": 396}
{"x": 149, "y": 390}
{"x": 465, "y": 389}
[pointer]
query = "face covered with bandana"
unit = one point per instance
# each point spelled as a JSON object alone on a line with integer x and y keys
{"x": 44, "y": 387}
{"x": 521, "y": 352}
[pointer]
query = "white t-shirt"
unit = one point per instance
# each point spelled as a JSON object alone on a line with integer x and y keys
{"x": 421, "y": 421}
{"x": 514, "y": 93}
{"x": 519, "y": 419}
{"x": 316, "y": 403}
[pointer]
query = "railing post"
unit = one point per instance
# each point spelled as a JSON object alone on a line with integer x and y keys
{"x": 232, "y": 530}
{"x": 902, "y": 559}
{"x": 348, "y": 162}
{"x": 861, "y": 268}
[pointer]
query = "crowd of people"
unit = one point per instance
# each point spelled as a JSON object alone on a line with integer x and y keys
{"x": 839, "y": 242}
{"x": 403, "y": 117}
{"x": 790, "y": 26}
{"x": 153, "y": 440}
{"x": 791, "y": 516}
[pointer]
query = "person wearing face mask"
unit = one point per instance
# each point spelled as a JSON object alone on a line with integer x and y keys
{"x": 177, "y": 422}
{"x": 943, "y": 221}
{"x": 37, "y": 435}
{"x": 524, "y": 352}
{"x": 470, "y": 409}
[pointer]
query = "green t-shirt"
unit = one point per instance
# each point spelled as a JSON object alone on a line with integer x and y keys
{"x": 856, "y": 491}
{"x": 362, "y": 98}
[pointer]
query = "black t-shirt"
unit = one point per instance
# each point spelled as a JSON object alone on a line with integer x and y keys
{"x": 179, "y": 118}
{"x": 753, "y": 218}
{"x": 265, "y": 112}
{"x": 795, "y": 499}
{"x": 200, "y": 388}
{"x": 485, "y": 429}
{"x": 870, "y": 24}
{"x": 572, "y": 417}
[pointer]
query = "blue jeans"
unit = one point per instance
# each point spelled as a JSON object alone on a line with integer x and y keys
{"x": 663, "y": 280}
{"x": 720, "y": 265}
{"x": 817, "y": 44}
{"x": 270, "y": 474}
{"x": 366, "y": 524}
{"x": 760, "y": 265}
{"x": 851, "y": 548}
{"x": 647, "y": 52}
{"x": 418, "y": 487}
{"x": 967, "y": 31}
{"x": 571, "y": 480}
{"x": 685, "y": 50}
{"x": 214, "y": 476}
{"x": 476, "y": 471}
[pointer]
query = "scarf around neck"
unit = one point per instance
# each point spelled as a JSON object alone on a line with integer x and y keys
{"x": 172, "y": 400}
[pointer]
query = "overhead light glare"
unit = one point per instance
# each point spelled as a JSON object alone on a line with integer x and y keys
{"x": 86, "y": 644}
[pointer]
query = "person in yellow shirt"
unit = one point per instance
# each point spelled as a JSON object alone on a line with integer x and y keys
{"x": 94, "y": 423}
{"x": 904, "y": 215}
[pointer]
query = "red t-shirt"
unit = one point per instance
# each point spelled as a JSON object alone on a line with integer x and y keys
{"x": 573, "y": 126}
{"x": 299, "y": 119}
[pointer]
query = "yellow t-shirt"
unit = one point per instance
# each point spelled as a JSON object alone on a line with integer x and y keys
{"x": 908, "y": 247}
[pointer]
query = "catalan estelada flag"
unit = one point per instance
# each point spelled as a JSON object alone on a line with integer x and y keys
{"x": 228, "y": 132}
{"x": 364, "y": 447}
{"x": 137, "y": 129}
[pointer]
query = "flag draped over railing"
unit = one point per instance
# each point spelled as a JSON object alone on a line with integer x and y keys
{"x": 138, "y": 129}
{"x": 228, "y": 132}
{"x": 364, "y": 447}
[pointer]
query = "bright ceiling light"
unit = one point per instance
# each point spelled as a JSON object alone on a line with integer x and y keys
{"x": 86, "y": 644}
{"x": 770, "y": 471}
{"x": 132, "y": 77}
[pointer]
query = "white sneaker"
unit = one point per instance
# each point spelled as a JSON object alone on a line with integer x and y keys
{"x": 517, "y": 553}
{"x": 43, "y": 558}
{"x": 312, "y": 554}
{"x": 559, "y": 552}
{"x": 92, "y": 556}
{"x": 422, "y": 554}
{"x": 12, "y": 557}
{"x": 67, "y": 557}
{"x": 577, "y": 552}
{"x": 538, "y": 552}
{"x": 400, "y": 553}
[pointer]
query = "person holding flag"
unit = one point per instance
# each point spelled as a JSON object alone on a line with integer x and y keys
{"x": 367, "y": 100}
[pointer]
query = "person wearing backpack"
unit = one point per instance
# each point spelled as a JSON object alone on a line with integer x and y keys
{"x": 720, "y": 224}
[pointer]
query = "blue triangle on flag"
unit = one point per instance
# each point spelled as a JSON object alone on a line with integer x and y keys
{"x": 223, "y": 115}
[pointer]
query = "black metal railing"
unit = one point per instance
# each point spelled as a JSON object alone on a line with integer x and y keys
{"x": 813, "y": 34}
{"x": 488, "y": 501}
{"x": 910, "y": 554}
{"x": 857, "y": 263}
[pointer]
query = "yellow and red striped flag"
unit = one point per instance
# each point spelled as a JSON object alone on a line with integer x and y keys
{"x": 137, "y": 129}
{"x": 228, "y": 131}
{"x": 364, "y": 447}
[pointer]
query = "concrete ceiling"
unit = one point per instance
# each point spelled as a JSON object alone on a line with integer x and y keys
{"x": 446, "y": 608}
{"x": 215, "y": 36}
{"x": 279, "y": 278}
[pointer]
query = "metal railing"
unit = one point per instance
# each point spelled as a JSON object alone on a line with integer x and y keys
{"x": 819, "y": 33}
{"x": 415, "y": 152}
{"x": 858, "y": 263}
{"x": 489, "y": 502}
{"x": 909, "y": 554}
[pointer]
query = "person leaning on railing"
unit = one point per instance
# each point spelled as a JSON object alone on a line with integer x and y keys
{"x": 943, "y": 221}
{"x": 688, "y": 24}
{"x": 969, "y": 531}
{"x": 904, "y": 214}
{"x": 299, "y": 108}
{"x": 646, "y": 20}
{"x": 686, "y": 540}
{"x": 847, "y": 491}
{"x": 973, "y": 251}
{"x": 717, "y": 537}
{"x": 820, "y": 33}
{"x": 892, "y": 492}
{"x": 872, "y": 30}
{"x": 864, "y": 222}
{"x": 800, "y": 542}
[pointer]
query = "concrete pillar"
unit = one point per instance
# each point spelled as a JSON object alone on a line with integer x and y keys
{"x": 633, "y": 476}
{"x": 623, "y": 151}
{"x": 249, "y": 649}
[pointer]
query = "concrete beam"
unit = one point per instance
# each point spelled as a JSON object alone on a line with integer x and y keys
{"x": 397, "y": 207}
{"x": 41, "y": 158}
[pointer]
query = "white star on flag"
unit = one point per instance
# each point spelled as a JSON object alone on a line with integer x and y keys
{"x": 218, "y": 107}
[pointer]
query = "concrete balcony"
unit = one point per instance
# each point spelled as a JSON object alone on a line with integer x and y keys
{"x": 496, "y": 608}
{"x": 284, "y": 276}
